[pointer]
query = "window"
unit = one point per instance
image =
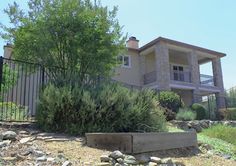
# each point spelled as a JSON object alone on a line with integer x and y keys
{"x": 125, "y": 60}
{"x": 178, "y": 72}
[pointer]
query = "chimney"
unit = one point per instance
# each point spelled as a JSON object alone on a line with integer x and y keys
{"x": 132, "y": 43}
{"x": 7, "y": 50}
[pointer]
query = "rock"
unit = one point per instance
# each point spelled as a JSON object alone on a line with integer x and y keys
{"x": 155, "y": 160}
{"x": 104, "y": 164}
{"x": 38, "y": 153}
{"x": 152, "y": 164}
{"x": 50, "y": 159}
{"x": 204, "y": 124}
{"x": 67, "y": 163}
{"x": 226, "y": 156}
{"x": 116, "y": 154}
{"x": 26, "y": 139}
{"x": 210, "y": 152}
{"x": 26, "y": 152}
{"x": 195, "y": 125}
{"x": 42, "y": 158}
{"x": 143, "y": 159}
{"x": 117, "y": 164}
{"x": 9, "y": 158}
{"x": 166, "y": 161}
{"x": 104, "y": 158}
{"x": 9, "y": 135}
{"x": 120, "y": 160}
{"x": 5, "y": 143}
{"x": 130, "y": 160}
{"x": 23, "y": 132}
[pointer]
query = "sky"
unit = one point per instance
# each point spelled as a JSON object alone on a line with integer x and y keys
{"x": 206, "y": 23}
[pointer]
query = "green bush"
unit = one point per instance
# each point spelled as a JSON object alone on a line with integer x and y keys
{"x": 200, "y": 111}
{"x": 170, "y": 100}
{"x": 185, "y": 114}
{"x": 223, "y": 132}
{"x": 107, "y": 108}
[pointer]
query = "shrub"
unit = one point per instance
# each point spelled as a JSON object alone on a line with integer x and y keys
{"x": 106, "y": 108}
{"x": 200, "y": 110}
{"x": 169, "y": 114}
{"x": 170, "y": 100}
{"x": 185, "y": 114}
{"x": 230, "y": 114}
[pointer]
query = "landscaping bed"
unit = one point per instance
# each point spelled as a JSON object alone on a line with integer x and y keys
{"x": 60, "y": 148}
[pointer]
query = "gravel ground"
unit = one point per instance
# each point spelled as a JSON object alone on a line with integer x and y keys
{"x": 75, "y": 150}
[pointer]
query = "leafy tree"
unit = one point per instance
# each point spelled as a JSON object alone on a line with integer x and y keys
{"x": 78, "y": 36}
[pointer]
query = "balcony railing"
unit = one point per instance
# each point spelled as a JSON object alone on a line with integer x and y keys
{"x": 206, "y": 80}
{"x": 150, "y": 77}
{"x": 182, "y": 76}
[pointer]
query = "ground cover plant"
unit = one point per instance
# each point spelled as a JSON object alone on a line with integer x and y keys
{"x": 223, "y": 132}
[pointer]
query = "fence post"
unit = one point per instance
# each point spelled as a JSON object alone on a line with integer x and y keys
{"x": 1, "y": 72}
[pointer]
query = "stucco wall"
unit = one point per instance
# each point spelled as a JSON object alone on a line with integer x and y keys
{"x": 178, "y": 60}
{"x": 186, "y": 95}
{"x": 150, "y": 63}
{"x": 130, "y": 75}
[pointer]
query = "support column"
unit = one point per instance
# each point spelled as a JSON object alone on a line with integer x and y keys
{"x": 162, "y": 66}
{"x": 195, "y": 76}
{"x": 142, "y": 69}
{"x": 218, "y": 82}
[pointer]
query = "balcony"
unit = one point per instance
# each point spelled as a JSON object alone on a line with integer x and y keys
{"x": 182, "y": 76}
{"x": 174, "y": 75}
{"x": 206, "y": 80}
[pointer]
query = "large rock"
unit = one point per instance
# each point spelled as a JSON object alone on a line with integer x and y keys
{"x": 116, "y": 154}
{"x": 152, "y": 164}
{"x": 9, "y": 135}
{"x": 130, "y": 160}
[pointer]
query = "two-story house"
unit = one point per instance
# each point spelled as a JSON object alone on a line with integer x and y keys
{"x": 165, "y": 64}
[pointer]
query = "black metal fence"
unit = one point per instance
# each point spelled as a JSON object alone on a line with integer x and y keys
{"x": 20, "y": 84}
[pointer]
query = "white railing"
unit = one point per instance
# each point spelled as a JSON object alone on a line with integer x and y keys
{"x": 182, "y": 76}
{"x": 206, "y": 80}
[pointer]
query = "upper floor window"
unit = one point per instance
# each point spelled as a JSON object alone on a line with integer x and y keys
{"x": 125, "y": 60}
